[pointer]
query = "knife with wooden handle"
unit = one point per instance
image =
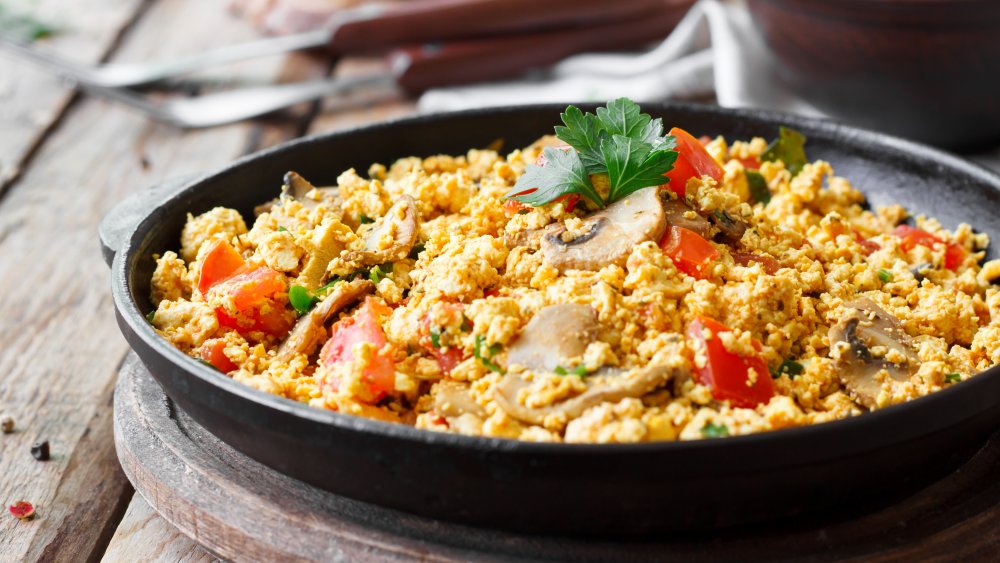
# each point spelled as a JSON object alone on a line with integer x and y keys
{"x": 417, "y": 69}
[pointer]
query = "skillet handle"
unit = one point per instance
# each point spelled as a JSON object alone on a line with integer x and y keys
{"x": 118, "y": 224}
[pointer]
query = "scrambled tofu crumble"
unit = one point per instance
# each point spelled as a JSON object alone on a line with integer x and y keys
{"x": 417, "y": 294}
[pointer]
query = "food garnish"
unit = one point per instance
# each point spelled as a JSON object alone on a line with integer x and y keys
{"x": 789, "y": 367}
{"x": 714, "y": 430}
{"x": 486, "y": 358}
{"x": 789, "y": 148}
{"x": 953, "y": 377}
{"x": 884, "y": 275}
{"x": 619, "y": 141}
{"x": 758, "y": 187}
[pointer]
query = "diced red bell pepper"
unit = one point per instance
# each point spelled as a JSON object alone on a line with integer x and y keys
{"x": 769, "y": 263}
{"x": 727, "y": 373}
{"x": 251, "y": 292}
{"x": 221, "y": 263}
{"x": 364, "y": 326}
{"x": 214, "y": 352}
{"x": 954, "y": 254}
{"x": 867, "y": 246}
{"x": 693, "y": 161}
{"x": 689, "y": 252}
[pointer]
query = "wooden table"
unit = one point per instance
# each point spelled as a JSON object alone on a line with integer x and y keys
{"x": 64, "y": 161}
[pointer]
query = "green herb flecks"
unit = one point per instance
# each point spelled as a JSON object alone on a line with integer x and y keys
{"x": 436, "y": 337}
{"x": 379, "y": 272}
{"x": 579, "y": 371}
{"x": 485, "y": 357}
{"x": 791, "y": 368}
{"x": 884, "y": 275}
{"x": 282, "y": 229}
{"x": 150, "y": 316}
{"x": 466, "y": 325}
{"x": 620, "y": 141}
{"x": 953, "y": 377}
{"x": 301, "y": 299}
{"x": 207, "y": 363}
{"x": 789, "y": 148}
{"x": 758, "y": 187}
{"x": 22, "y": 27}
{"x": 416, "y": 250}
{"x": 714, "y": 430}
{"x": 365, "y": 220}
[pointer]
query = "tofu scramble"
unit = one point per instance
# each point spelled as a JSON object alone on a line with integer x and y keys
{"x": 752, "y": 292}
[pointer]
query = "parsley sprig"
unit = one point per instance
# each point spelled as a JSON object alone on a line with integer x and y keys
{"x": 619, "y": 141}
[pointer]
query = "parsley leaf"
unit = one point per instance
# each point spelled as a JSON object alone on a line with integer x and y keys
{"x": 563, "y": 173}
{"x": 884, "y": 275}
{"x": 788, "y": 148}
{"x": 622, "y": 117}
{"x": 714, "y": 430}
{"x": 583, "y": 132}
{"x": 791, "y": 368}
{"x": 633, "y": 165}
{"x": 758, "y": 187}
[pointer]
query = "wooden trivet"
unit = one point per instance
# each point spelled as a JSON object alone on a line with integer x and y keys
{"x": 239, "y": 509}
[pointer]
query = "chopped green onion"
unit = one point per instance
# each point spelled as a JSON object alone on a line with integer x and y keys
{"x": 884, "y": 275}
{"x": 579, "y": 371}
{"x": 301, "y": 299}
{"x": 953, "y": 377}
{"x": 436, "y": 337}
{"x": 329, "y": 286}
{"x": 364, "y": 219}
{"x": 791, "y": 368}
{"x": 282, "y": 229}
{"x": 377, "y": 273}
{"x": 714, "y": 430}
{"x": 486, "y": 360}
{"x": 758, "y": 187}
{"x": 150, "y": 316}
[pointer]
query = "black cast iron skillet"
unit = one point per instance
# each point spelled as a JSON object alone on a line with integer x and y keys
{"x": 560, "y": 488}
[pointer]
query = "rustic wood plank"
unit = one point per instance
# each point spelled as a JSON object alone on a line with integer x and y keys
{"x": 31, "y": 101}
{"x": 145, "y": 536}
{"x": 59, "y": 345}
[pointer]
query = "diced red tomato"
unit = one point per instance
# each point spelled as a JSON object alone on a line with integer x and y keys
{"x": 769, "y": 263}
{"x": 251, "y": 292}
{"x": 364, "y": 326}
{"x": 954, "y": 254}
{"x": 214, "y": 353}
{"x": 491, "y": 292}
{"x": 693, "y": 161}
{"x": 450, "y": 356}
{"x": 689, "y": 252}
{"x": 867, "y": 246}
{"x": 750, "y": 163}
{"x": 728, "y": 374}
{"x": 220, "y": 263}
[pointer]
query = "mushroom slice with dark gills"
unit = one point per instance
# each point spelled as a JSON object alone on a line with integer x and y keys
{"x": 876, "y": 343}
{"x": 310, "y": 330}
{"x": 296, "y": 187}
{"x": 608, "y": 235}
{"x": 399, "y": 226}
{"x": 680, "y": 214}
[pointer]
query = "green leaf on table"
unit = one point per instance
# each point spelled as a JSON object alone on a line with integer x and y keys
{"x": 789, "y": 148}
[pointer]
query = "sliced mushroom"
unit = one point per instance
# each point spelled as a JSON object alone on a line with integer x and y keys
{"x": 400, "y": 223}
{"x": 680, "y": 214}
{"x": 730, "y": 228}
{"x": 556, "y": 334}
{"x": 868, "y": 327}
{"x": 609, "y": 234}
{"x": 452, "y": 399}
{"x": 297, "y": 188}
{"x": 310, "y": 330}
{"x": 613, "y": 386}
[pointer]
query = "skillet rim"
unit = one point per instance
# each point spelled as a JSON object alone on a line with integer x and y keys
{"x": 125, "y": 259}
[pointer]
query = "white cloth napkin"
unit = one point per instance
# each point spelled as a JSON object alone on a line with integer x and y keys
{"x": 714, "y": 49}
